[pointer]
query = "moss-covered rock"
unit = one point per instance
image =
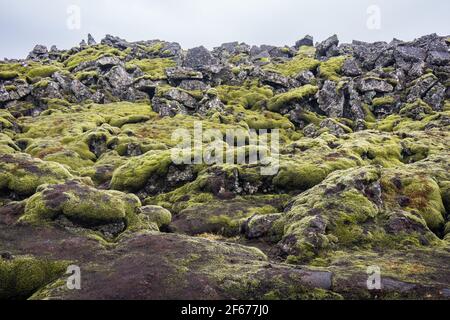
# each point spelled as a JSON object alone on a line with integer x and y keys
{"x": 22, "y": 174}
{"x": 159, "y": 215}
{"x": 294, "y": 95}
{"x": 354, "y": 208}
{"x": 21, "y": 276}
{"x": 134, "y": 174}
{"x": 331, "y": 68}
{"x": 83, "y": 205}
{"x": 154, "y": 69}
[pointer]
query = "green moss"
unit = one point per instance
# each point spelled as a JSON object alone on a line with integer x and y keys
{"x": 133, "y": 175}
{"x": 22, "y": 174}
{"x": 226, "y": 225}
{"x": 331, "y": 68}
{"x": 369, "y": 116}
{"x": 383, "y": 101}
{"x": 119, "y": 122}
{"x": 299, "y": 176}
{"x": 249, "y": 96}
{"x": 42, "y": 84}
{"x": 8, "y": 75}
{"x": 91, "y": 54}
{"x": 82, "y": 204}
{"x": 83, "y": 75}
{"x": 23, "y": 275}
{"x": 291, "y": 68}
{"x": 417, "y": 109}
{"x": 424, "y": 197}
{"x": 294, "y": 95}
{"x": 154, "y": 69}
{"x": 388, "y": 69}
{"x": 154, "y": 48}
{"x": 11, "y": 88}
{"x": 157, "y": 214}
{"x": 41, "y": 72}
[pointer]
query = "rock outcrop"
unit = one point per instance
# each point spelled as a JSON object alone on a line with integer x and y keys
{"x": 88, "y": 177}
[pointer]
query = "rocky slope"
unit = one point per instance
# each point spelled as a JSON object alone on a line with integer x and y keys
{"x": 86, "y": 175}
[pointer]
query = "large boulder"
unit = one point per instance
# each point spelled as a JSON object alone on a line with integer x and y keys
{"x": 199, "y": 58}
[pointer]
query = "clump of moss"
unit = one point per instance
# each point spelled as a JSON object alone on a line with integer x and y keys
{"x": 383, "y": 101}
{"x": 331, "y": 68}
{"x": 159, "y": 215}
{"x": 8, "y": 75}
{"x": 250, "y": 95}
{"x": 416, "y": 110}
{"x": 41, "y": 72}
{"x": 21, "y": 276}
{"x": 9, "y": 71}
{"x": 83, "y": 75}
{"x": 294, "y": 95}
{"x": 22, "y": 174}
{"x": 42, "y": 84}
{"x": 154, "y": 69}
{"x": 419, "y": 194}
{"x": 362, "y": 208}
{"x": 91, "y": 54}
{"x": 291, "y": 68}
{"x": 133, "y": 175}
{"x": 299, "y": 176}
{"x": 81, "y": 204}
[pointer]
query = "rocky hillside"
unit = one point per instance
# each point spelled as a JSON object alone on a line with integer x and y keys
{"x": 87, "y": 178}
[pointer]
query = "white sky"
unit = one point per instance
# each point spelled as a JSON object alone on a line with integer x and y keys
{"x": 24, "y": 23}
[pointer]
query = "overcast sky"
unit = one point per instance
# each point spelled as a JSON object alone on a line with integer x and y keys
{"x": 24, "y": 23}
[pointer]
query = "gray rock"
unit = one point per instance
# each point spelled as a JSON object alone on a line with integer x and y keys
{"x": 180, "y": 73}
{"x": 275, "y": 79}
{"x": 330, "y": 100}
{"x": 310, "y": 130}
{"x": 118, "y": 77}
{"x": 210, "y": 103}
{"x": 107, "y": 62}
{"x": 115, "y": 42}
{"x": 439, "y": 58}
{"x": 324, "y": 48}
{"x": 259, "y": 226}
{"x": 39, "y": 52}
{"x": 199, "y": 58}
{"x": 306, "y": 41}
{"x": 63, "y": 81}
{"x": 193, "y": 85}
{"x": 370, "y": 55}
{"x": 421, "y": 87}
{"x": 305, "y": 77}
{"x": 351, "y": 68}
{"x": 21, "y": 91}
{"x": 334, "y": 127}
{"x": 80, "y": 91}
{"x": 91, "y": 40}
{"x": 409, "y": 54}
{"x": 180, "y": 96}
{"x": 374, "y": 84}
{"x": 167, "y": 108}
{"x": 435, "y": 97}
